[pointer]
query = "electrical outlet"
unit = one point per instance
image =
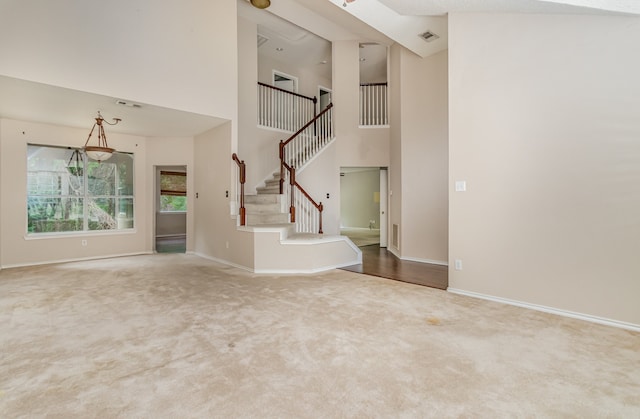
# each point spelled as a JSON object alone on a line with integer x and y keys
{"x": 227, "y": 244}
{"x": 84, "y": 242}
{"x": 458, "y": 264}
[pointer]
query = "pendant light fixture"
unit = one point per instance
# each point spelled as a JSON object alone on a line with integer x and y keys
{"x": 261, "y": 4}
{"x": 102, "y": 151}
{"x": 76, "y": 163}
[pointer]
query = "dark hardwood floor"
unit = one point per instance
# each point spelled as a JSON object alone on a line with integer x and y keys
{"x": 378, "y": 261}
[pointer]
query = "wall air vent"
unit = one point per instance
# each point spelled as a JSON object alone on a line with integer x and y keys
{"x": 428, "y": 36}
{"x": 262, "y": 40}
{"x": 395, "y": 236}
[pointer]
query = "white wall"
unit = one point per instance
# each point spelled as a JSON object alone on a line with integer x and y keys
{"x": 544, "y": 128}
{"x": 17, "y": 248}
{"x": 357, "y": 147}
{"x": 179, "y": 55}
{"x": 419, "y": 167}
{"x": 395, "y": 148}
{"x": 424, "y": 142}
{"x": 215, "y": 232}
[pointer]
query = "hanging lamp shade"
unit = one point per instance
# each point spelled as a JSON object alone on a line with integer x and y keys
{"x": 102, "y": 151}
{"x": 261, "y": 4}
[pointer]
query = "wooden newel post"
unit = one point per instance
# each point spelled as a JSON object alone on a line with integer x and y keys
{"x": 320, "y": 208}
{"x": 281, "y": 153}
{"x": 243, "y": 179}
{"x": 292, "y": 182}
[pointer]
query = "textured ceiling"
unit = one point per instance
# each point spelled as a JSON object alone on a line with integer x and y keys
{"x": 403, "y": 20}
{"x": 442, "y": 7}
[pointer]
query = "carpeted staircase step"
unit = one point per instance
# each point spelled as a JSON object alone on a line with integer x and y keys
{"x": 262, "y": 199}
{"x": 268, "y": 190}
{"x": 271, "y": 186}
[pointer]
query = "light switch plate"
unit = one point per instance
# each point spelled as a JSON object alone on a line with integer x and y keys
{"x": 461, "y": 185}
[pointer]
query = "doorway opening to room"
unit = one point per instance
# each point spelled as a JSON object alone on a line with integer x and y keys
{"x": 285, "y": 82}
{"x": 324, "y": 98}
{"x": 363, "y": 205}
{"x": 171, "y": 209}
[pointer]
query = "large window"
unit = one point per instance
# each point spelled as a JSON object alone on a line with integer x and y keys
{"x": 173, "y": 191}
{"x": 66, "y": 191}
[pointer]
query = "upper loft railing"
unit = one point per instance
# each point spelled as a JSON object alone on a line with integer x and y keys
{"x": 284, "y": 110}
{"x": 373, "y": 104}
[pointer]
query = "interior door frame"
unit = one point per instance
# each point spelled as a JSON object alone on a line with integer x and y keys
{"x": 384, "y": 207}
{"x": 277, "y": 73}
{"x": 327, "y": 90}
{"x": 156, "y": 198}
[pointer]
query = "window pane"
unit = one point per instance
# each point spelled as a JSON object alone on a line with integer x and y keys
{"x": 101, "y": 178}
{"x": 52, "y": 214}
{"x": 102, "y": 213}
{"x": 125, "y": 213}
{"x": 173, "y": 203}
{"x": 124, "y": 178}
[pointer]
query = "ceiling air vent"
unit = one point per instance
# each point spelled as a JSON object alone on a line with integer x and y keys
{"x": 428, "y": 36}
{"x": 261, "y": 40}
{"x": 129, "y": 104}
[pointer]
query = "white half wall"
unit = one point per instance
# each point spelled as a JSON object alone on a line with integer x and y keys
{"x": 544, "y": 129}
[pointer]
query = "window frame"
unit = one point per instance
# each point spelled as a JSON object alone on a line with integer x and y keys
{"x": 85, "y": 197}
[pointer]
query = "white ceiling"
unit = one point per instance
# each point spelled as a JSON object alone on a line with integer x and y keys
{"x": 404, "y": 20}
{"x": 367, "y": 21}
{"x": 442, "y": 7}
{"x": 30, "y": 101}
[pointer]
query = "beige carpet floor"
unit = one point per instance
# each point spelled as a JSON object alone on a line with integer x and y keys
{"x": 177, "y": 336}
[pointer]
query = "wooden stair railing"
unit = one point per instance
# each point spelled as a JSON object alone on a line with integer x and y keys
{"x": 325, "y": 133}
{"x": 287, "y": 166}
{"x": 242, "y": 178}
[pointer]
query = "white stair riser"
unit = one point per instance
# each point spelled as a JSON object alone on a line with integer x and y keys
{"x": 260, "y": 219}
{"x": 262, "y": 208}
{"x": 263, "y": 199}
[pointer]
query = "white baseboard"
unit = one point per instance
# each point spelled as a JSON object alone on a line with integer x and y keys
{"x": 432, "y": 262}
{"x": 222, "y": 261}
{"x": 551, "y": 310}
{"x": 305, "y": 271}
{"x": 396, "y": 253}
{"x": 50, "y": 262}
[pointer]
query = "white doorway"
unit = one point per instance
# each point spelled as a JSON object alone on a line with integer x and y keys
{"x": 324, "y": 98}
{"x": 170, "y": 231}
{"x": 285, "y": 82}
{"x": 363, "y": 205}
